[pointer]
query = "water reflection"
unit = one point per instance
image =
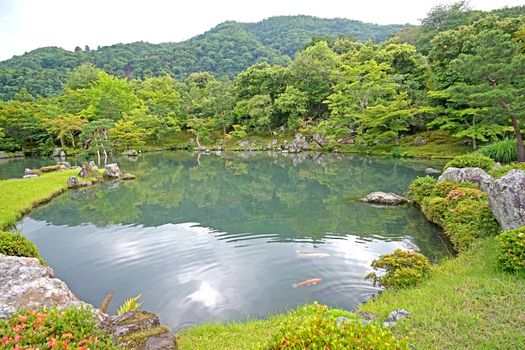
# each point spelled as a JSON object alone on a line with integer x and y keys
{"x": 226, "y": 237}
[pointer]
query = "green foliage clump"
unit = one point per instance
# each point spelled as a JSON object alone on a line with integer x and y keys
{"x": 72, "y": 328}
{"x": 15, "y": 244}
{"x": 421, "y": 187}
{"x": 443, "y": 188}
{"x": 469, "y": 217}
{"x": 503, "y": 170}
{"x": 130, "y": 305}
{"x": 471, "y": 160}
{"x": 434, "y": 209}
{"x": 402, "y": 269}
{"x": 505, "y": 151}
{"x": 312, "y": 327}
{"x": 512, "y": 250}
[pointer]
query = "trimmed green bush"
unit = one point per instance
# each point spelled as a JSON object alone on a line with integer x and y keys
{"x": 421, "y": 187}
{"x": 312, "y": 327}
{"x": 402, "y": 269}
{"x": 71, "y": 328}
{"x": 467, "y": 221}
{"x": 434, "y": 209}
{"x": 15, "y": 244}
{"x": 512, "y": 250}
{"x": 503, "y": 170}
{"x": 505, "y": 151}
{"x": 442, "y": 188}
{"x": 471, "y": 160}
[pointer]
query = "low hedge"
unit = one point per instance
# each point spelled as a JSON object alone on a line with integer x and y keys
{"x": 15, "y": 244}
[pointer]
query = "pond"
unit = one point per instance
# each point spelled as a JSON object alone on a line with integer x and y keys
{"x": 227, "y": 237}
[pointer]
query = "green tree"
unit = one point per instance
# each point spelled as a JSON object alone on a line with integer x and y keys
{"x": 63, "y": 126}
{"x": 127, "y": 135}
{"x": 491, "y": 83}
{"x": 202, "y": 129}
{"x": 312, "y": 72}
{"x": 294, "y": 103}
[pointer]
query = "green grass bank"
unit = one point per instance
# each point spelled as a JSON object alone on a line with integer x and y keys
{"x": 20, "y": 196}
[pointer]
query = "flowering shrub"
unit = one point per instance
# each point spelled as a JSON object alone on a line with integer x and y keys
{"x": 461, "y": 194}
{"x": 46, "y": 329}
{"x": 468, "y": 220}
{"x": 402, "y": 269}
{"x": 313, "y": 327}
{"x": 512, "y": 250}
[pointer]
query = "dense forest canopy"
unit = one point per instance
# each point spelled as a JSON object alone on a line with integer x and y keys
{"x": 462, "y": 71}
{"x": 224, "y": 51}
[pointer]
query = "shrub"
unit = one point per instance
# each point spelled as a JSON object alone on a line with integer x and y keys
{"x": 471, "y": 160}
{"x": 421, "y": 187}
{"x": 402, "y": 269}
{"x": 312, "y": 327}
{"x": 434, "y": 209}
{"x": 72, "y": 328}
{"x": 503, "y": 170}
{"x": 469, "y": 220}
{"x": 505, "y": 151}
{"x": 442, "y": 188}
{"x": 15, "y": 244}
{"x": 512, "y": 250}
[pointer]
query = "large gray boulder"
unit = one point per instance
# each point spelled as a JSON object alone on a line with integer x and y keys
{"x": 139, "y": 330}
{"x": 474, "y": 175}
{"x": 112, "y": 170}
{"x": 384, "y": 198}
{"x": 26, "y": 284}
{"x": 507, "y": 199}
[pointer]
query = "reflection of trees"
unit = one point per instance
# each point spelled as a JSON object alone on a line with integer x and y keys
{"x": 258, "y": 194}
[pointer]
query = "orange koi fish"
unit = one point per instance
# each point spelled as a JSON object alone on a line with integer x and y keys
{"x": 307, "y": 282}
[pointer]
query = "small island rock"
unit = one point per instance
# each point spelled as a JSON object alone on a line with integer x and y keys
{"x": 384, "y": 198}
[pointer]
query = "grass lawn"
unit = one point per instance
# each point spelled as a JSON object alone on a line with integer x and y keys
{"x": 467, "y": 303}
{"x": 20, "y": 196}
{"x": 231, "y": 336}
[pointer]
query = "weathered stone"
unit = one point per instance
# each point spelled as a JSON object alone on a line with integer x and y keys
{"x": 62, "y": 154}
{"x": 3, "y": 155}
{"x": 25, "y": 283}
{"x": 431, "y": 171}
{"x": 274, "y": 144}
{"x": 56, "y": 152}
{"x": 474, "y": 175}
{"x": 89, "y": 169}
{"x": 28, "y": 171}
{"x": 112, "y": 170}
{"x": 507, "y": 199}
{"x": 139, "y": 330}
{"x": 384, "y": 198}
{"x": 72, "y": 182}
{"x": 396, "y": 316}
{"x": 30, "y": 176}
{"x": 419, "y": 141}
{"x": 131, "y": 153}
{"x": 298, "y": 144}
{"x": 65, "y": 165}
{"x": 128, "y": 176}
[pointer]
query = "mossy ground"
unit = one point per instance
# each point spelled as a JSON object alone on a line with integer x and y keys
{"x": 440, "y": 145}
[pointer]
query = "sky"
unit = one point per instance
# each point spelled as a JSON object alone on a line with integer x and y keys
{"x": 29, "y": 24}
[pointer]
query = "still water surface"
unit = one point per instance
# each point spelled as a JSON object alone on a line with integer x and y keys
{"x": 216, "y": 238}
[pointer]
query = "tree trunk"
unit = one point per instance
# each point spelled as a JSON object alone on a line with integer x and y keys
{"x": 517, "y": 131}
{"x": 72, "y": 139}
{"x": 197, "y": 139}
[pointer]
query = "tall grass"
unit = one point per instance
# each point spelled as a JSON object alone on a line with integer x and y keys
{"x": 505, "y": 151}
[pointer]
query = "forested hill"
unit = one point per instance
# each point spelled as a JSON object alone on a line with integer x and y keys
{"x": 225, "y": 50}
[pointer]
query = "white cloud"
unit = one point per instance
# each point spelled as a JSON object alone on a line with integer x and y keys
{"x": 29, "y": 24}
